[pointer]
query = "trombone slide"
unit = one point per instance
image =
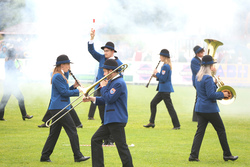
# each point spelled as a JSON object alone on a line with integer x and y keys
{"x": 85, "y": 92}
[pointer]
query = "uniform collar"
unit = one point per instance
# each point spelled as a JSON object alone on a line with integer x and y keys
{"x": 117, "y": 76}
{"x": 198, "y": 58}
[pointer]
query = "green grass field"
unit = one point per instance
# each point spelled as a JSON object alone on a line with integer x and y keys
{"x": 21, "y": 142}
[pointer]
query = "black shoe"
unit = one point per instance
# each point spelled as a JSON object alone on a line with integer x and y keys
{"x": 91, "y": 118}
{"x": 176, "y": 128}
{"x": 45, "y": 160}
{"x": 1, "y": 119}
{"x": 193, "y": 159}
{"x": 233, "y": 158}
{"x": 42, "y": 126}
{"x": 82, "y": 159}
{"x": 149, "y": 125}
{"x": 79, "y": 126}
{"x": 27, "y": 116}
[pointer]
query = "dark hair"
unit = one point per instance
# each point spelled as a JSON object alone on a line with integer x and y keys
{"x": 11, "y": 53}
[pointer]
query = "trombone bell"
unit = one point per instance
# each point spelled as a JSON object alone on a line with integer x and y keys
{"x": 85, "y": 91}
{"x": 226, "y": 101}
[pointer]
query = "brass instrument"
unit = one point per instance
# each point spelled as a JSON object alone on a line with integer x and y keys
{"x": 85, "y": 93}
{"x": 211, "y": 48}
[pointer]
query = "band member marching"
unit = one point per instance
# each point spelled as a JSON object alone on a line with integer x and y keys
{"x": 114, "y": 96}
{"x": 195, "y": 67}
{"x": 11, "y": 86}
{"x": 109, "y": 50}
{"x": 164, "y": 89}
{"x": 208, "y": 111}
{"x": 73, "y": 113}
{"x": 60, "y": 97}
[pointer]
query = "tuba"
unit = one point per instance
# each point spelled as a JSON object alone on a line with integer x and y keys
{"x": 211, "y": 48}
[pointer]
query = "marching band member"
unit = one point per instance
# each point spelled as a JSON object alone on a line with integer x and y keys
{"x": 11, "y": 87}
{"x": 73, "y": 113}
{"x": 164, "y": 89}
{"x": 60, "y": 97}
{"x": 109, "y": 50}
{"x": 208, "y": 111}
{"x": 195, "y": 67}
{"x": 114, "y": 96}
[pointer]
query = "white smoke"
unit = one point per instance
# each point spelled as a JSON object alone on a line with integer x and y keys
{"x": 63, "y": 27}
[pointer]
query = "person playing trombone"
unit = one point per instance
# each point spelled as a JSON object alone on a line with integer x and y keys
{"x": 114, "y": 97}
{"x": 60, "y": 97}
{"x": 164, "y": 89}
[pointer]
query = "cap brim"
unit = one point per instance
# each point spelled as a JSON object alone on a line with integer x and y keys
{"x": 200, "y": 50}
{"x": 65, "y": 63}
{"x": 207, "y": 64}
{"x": 108, "y": 48}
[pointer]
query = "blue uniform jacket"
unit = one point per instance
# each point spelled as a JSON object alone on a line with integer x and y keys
{"x": 61, "y": 92}
{"x": 114, "y": 96}
{"x": 207, "y": 95}
{"x": 101, "y": 59}
{"x": 195, "y": 67}
{"x": 164, "y": 78}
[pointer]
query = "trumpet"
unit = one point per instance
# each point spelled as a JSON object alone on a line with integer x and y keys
{"x": 85, "y": 93}
{"x": 211, "y": 48}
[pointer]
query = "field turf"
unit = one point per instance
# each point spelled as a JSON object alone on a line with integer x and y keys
{"x": 21, "y": 142}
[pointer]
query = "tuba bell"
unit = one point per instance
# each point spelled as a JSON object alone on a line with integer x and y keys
{"x": 211, "y": 48}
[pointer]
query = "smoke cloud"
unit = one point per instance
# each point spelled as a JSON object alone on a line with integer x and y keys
{"x": 63, "y": 27}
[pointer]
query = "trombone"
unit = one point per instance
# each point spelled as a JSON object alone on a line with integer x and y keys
{"x": 211, "y": 48}
{"x": 85, "y": 93}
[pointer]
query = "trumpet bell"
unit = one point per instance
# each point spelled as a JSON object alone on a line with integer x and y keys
{"x": 232, "y": 98}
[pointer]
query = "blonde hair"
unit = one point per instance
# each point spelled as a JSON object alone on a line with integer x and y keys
{"x": 204, "y": 70}
{"x": 168, "y": 61}
{"x": 57, "y": 69}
